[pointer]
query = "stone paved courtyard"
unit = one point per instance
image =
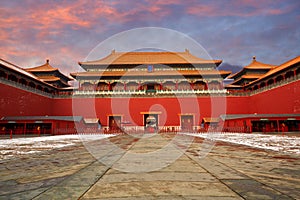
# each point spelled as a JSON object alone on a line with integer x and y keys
{"x": 153, "y": 167}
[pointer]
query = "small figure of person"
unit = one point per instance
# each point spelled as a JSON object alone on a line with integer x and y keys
{"x": 99, "y": 125}
{"x": 282, "y": 127}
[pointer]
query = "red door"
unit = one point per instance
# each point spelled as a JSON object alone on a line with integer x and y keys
{"x": 114, "y": 123}
{"x": 187, "y": 122}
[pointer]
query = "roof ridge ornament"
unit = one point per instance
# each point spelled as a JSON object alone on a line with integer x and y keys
{"x": 113, "y": 51}
{"x": 254, "y": 57}
{"x": 187, "y": 51}
{"x": 47, "y": 61}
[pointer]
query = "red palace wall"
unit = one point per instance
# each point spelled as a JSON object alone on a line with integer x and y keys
{"x": 284, "y": 99}
{"x": 132, "y": 108}
{"x": 17, "y": 102}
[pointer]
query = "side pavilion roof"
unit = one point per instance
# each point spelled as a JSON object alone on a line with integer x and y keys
{"x": 22, "y": 71}
{"x": 254, "y": 65}
{"x": 42, "y": 68}
{"x": 46, "y": 68}
{"x": 281, "y": 67}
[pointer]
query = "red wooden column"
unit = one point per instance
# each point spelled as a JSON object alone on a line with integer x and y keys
{"x": 206, "y": 85}
{"x": 278, "y": 126}
{"x": 191, "y": 85}
{"x": 79, "y": 85}
{"x": 24, "y": 128}
{"x": 250, "y": 125}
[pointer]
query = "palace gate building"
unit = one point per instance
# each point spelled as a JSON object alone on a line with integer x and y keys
{"x": 177, "y": 90}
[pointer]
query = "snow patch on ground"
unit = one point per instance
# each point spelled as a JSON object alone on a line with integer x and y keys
{"x": 279, "y": 143}
{"x": 16, "y": 147}
{"x": 27, "y": 145}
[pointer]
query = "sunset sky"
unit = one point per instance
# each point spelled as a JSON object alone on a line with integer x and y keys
{"x": 66, "y": 31}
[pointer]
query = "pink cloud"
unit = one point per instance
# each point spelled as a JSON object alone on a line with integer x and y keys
{"x": 243, "y": 8}
{"x": 45, "y": 20}
{"x": 140, "y": 11}
{"x": 58, "y": 17}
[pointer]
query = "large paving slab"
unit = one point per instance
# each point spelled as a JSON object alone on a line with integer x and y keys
{"x": 165, "y": 166}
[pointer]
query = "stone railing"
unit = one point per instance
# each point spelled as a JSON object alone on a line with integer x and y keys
{"x": 150, "y": 93}
{"x": 109, "y": 93}
{"x": 187, "y": 92}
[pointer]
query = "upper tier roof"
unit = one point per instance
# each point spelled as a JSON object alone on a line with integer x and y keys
{"x": 140, "y": 58}
{"x": 42, "y": 68}
{"x": 254, "y": 65}
{"x": 258, "y": 65}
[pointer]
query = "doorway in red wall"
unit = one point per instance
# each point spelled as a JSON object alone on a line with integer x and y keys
{"x": 114, "y": 122}
{"x": 187, "y": 122}
{"x": 150, "y": 121}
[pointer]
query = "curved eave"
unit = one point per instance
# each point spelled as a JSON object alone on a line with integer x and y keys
{"x": 260, "y": 67}
{"x": 241, "y": 79}
{"x": 69, "y": 88}
{"x": 57, "y": 81}
{"x": 49, "y": 79}
{"x": 96, "y": 63}
{"x": 87, "y": 66}
{"x": 230, "y": 86}
{"x": 66, "y": 77}
{"x": 233, "y": 76}
{"x": 242, "y": 73}
{"x": 253, "y": 76}
{"x": 37, "y": 69}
